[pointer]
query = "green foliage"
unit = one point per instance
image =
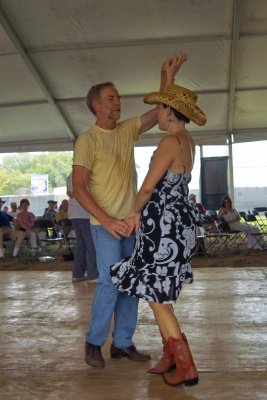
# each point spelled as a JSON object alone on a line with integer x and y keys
{"x": 16, "y": 170}
{"x": 3, "y": 180}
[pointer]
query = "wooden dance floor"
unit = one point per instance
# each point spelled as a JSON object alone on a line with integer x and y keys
{"x": 44, "y": 317}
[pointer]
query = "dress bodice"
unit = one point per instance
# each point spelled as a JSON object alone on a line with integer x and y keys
{"x": 173, "y": 185}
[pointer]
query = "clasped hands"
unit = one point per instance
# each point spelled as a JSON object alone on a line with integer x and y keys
{"x": 124, "y": 228}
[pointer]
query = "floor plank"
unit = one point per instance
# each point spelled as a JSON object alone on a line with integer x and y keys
{"x": 44, "y": 317}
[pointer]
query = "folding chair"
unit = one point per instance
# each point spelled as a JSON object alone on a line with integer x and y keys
{"x": 222, "y": 240}
{"x": 261, "y": 214}
{"x": 51, "y": 234}
{"x": 259, "y": 235}
{"x": 242, "y": 214}
{"x": 215, "y": 241}
{"x": 68, "y": 240}
{"x": 200, "y": 248}
{"x": 236, "y": 239}
{"x": 260, "y": 209}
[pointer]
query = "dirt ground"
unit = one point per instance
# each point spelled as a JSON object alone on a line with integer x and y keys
{"x": 254, "y": 259}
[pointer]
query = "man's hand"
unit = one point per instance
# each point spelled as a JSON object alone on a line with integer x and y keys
{"x": 116, "y": 227}
{"x": 133, "y": 222}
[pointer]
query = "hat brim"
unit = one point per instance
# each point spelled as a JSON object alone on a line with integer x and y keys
{"x": 193, "y": 113}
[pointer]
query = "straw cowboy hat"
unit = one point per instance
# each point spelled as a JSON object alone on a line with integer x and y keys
{"x": 181, "y": 99}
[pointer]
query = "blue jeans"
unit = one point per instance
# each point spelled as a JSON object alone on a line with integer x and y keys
{"x": 85, "y": 257}
{"x": 108, "y": 300}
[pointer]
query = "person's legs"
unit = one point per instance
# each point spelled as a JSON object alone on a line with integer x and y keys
{"x": 167, "y": 360}
{"x": 125, "y": 317}
{"x": 32, "y": 235}
{"x": 166, "y": 320}
{"x": 185, "y": 371}
{"x": 19, "y": 236}
{"x": 2, "y": 253}
{"x": 79, "y": 267}
{"x": 255, "y": 239}
{"x": 107, "y": 253}
{"x": 176, "y": 348}
{"x": 108, "y": 300}
{"x": 126, "y": 310}
{"x": 33, "y": 239}
{"x": 91, "y": 266}
{"x": 5, "y": 234}
{"x": 41, "y": 236}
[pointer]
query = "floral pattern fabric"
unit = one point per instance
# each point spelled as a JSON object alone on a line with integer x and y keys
{"x": 161, "y": 260}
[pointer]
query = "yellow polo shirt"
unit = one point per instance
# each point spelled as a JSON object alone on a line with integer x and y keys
{"x": 109, "y": 155}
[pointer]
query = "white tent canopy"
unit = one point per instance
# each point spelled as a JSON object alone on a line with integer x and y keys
{"x": 52, "y": 51}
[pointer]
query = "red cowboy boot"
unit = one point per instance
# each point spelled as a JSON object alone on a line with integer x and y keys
{"x": 185, "y": 371}
{"x": 167, "y": 360}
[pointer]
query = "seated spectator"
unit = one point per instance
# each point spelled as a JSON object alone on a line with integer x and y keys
{"x": 63, "y": 211}
{"x": 63, "y": 214}
{"x": 200, "y": 241}
{"x": 231, "y": 216}
{"x": 5, "y": 209}
{"x": 50, "y": 211}
{"x": 14, "y": 209}
{"x": 12, "y": 215}
{"x": 26, "y": 220}
{"x": 200, "y": 206}
{"x": 6, "y": 232}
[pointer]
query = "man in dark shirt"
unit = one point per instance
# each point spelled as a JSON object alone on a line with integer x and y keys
{"x": 50, "y": 211}
{"x": 6, "y": 232}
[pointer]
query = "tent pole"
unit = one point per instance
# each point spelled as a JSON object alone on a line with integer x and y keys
{"x": 230, "y": 167}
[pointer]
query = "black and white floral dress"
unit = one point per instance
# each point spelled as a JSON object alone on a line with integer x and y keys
{"x": 161, "y": 260}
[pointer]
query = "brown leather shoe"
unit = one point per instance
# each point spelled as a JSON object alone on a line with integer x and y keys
{"x": 93, "y": 356}
{"x": 128, "y": 352}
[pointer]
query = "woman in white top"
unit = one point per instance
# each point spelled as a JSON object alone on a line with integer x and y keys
{"x": 231, "y": 216}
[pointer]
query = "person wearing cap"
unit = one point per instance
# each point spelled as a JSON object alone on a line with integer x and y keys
{"x": 50, "y": 211}
{"x": 104, "y": 183}
{"x": 165, "y": 222}
{"x": 6, "y": 232}
{"x": 5, "y": 210}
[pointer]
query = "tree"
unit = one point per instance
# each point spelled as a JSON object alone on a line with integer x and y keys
{"x": 3, "y": 181}
{"x": 17, "y": 170}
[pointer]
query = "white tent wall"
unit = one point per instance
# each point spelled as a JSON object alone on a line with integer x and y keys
{"x": 52, "y": 51}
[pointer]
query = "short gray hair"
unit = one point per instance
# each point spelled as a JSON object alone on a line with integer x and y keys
{"x": 94, "y": 94}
